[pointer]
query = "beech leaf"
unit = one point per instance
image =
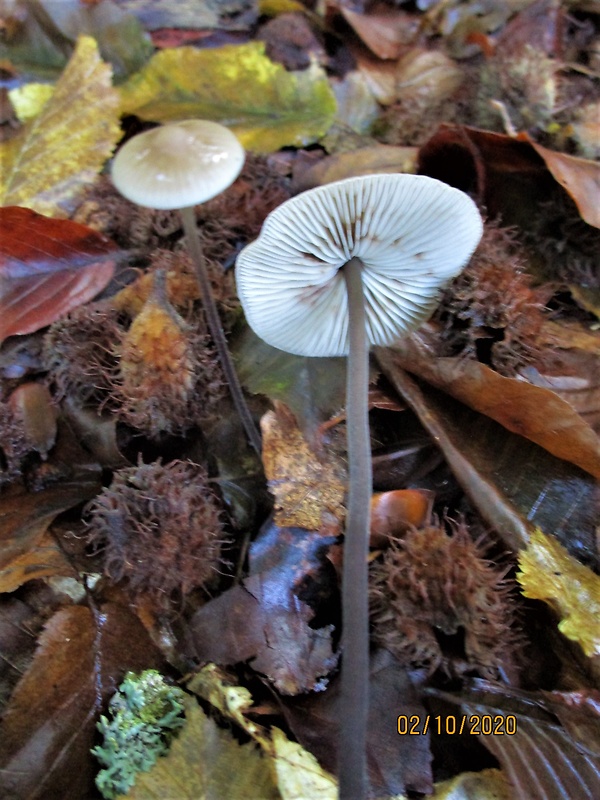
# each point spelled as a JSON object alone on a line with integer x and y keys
{"x": 549, "y": 573}
{"x": 47, "y": 268}
{"x": 49, "y": 163}
{"x": 513, "y": 483}
{"x": 48, "y": 726}
{"x": 205, "y": 762}
{"x": 239, "y": 86}
{"x": 309, "y": 491}
{"x": 531, "y": 411}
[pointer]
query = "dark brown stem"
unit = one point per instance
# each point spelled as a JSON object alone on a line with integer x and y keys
{"x": 355, "y": 609}
{"x": 216, "y": 329}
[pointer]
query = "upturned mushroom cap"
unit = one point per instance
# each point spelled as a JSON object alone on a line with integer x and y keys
{"x": 412, "y": 233}
{"x": 178, "y": 165}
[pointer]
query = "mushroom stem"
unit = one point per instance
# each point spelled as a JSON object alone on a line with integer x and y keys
{"x": 215, "y": 327}
{"x": 355, "y": 610}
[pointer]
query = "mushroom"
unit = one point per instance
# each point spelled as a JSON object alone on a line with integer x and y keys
{"x": 178, "y": 166}
{"x": 336, "y": 270}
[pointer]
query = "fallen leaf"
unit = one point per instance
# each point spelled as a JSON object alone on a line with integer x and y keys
{"x": 540, "y": 759}
{"x": 309, "y": 491}
{"x": 364, "y": 161}
{"x": 513, "y": 483}
{"x": 50, "y": 162}
{"x": 48, "y": 727}
{"x": 263, "y": 620}
{"x": 45, "y": 559}
{"x": 580, "y": 177}
{"x": 489, "y": 784}
{"x": 549, "y": 573}
{"x": 25, "y": 516}
{"x": 298, "y": 772}
{"x": 47, "y": 268}
{"x": 531, "y": 411}
{"x": 386, "y": 31}
{"x": 512, "y": 175}
{"x": 237, "y": 85}
{"x": 205, "y": 761}
{"x": 396, "y": 763}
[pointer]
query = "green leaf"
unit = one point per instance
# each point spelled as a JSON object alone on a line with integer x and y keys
{"x": 238, "y": 86}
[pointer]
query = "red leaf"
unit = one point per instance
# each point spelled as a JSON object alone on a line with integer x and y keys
{"x": 47, "y": 268}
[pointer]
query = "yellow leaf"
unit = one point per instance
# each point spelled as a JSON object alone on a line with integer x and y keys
{"x": 549, "y": 573}
{"x": 297, "y": 771}
{"x": 239, "y": 86}
{"x": 214, "y": 685}
{"x": 309, "y": 491}
{"x": 48, "y": 165}
{"x": 272, "y": 8}
{"x": 489, "y": 784}
{"x": 29, "y": 100}
{"x": 204, "y": 762}
{"x": 299, "y": 775}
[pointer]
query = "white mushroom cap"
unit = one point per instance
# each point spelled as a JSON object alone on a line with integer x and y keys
{"x": 412, "y": 233}
{"x": 178, "y": 165}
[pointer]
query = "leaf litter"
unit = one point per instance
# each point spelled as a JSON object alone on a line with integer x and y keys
{"x": 486, "y": 420}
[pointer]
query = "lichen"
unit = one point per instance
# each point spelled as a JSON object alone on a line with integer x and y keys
{"x": 143, "y": 716}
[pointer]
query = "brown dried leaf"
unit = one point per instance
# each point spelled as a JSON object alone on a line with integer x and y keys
{"x": 265, "y": 620}
{"x": 578, "y": 176}
{"x": 386, "y": 31}
{"x": 531, "y": 411}
{"x": 49, "y": 725}
{"x": 365, "y": 161}
{"x": 395, "y": 763}
{"x": 309, "y": 491}
{"x": 25, "y": 516}
{"x": 513, "y": 483}
{"x": 41, "y": 561}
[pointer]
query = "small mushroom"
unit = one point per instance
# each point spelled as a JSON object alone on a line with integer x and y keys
{"x": 336, "y": 270}
{"x": 178, "y": 166}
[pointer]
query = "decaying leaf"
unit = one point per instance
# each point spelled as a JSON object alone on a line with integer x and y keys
{"x": 25, "y": 517}
{"x": 237, "y": 85}
{"x": 205, "y": 762}
{"x": 489, "y": 784}
{"x": 48, "y": 164}
{"x": 265, "y": 621}
{"x": 298, "y": 772}
{"x": 49, "y": 725}
{"x": 365, "y": 161}
{"x": 309, "y": 491}
{"x": 43, "y": 560}
{"x": 513, "y": 483}
{"x": 47, "y": 268}
{"x": 549, "y": 573}
{"x": 531, "y": 411}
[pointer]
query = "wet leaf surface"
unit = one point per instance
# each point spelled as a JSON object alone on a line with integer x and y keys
{"x": 396, "y": 763}
{"x": 48, "y": 727}
{"x": 531, "y": 411}
{"x": 514, "y": 484}
{"x": 265, "y": 621}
